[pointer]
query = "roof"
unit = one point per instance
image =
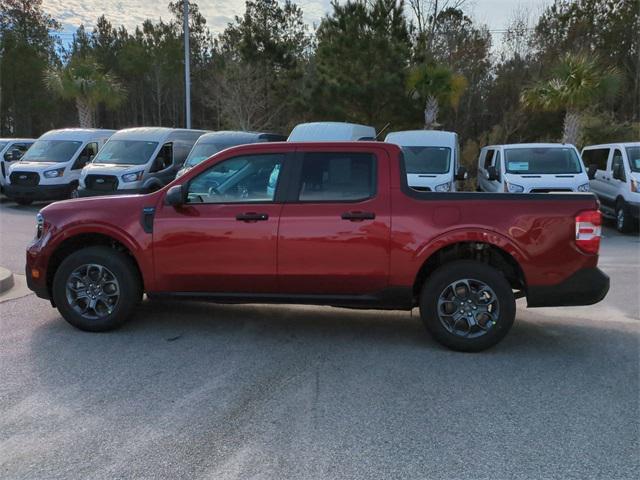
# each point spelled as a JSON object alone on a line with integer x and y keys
{"x": 233, "y": 136}
{"x": 532, "y": 145}
{"x": 151, "y": 134}
{"x": 330, "y": 132}
{"x": 75, "y": 134}
{"x": 613, "y": 144}
{"x": 17, "y": 139}
{"x": 422, "y": 138}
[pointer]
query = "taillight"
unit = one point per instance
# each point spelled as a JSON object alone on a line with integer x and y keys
{"x": 588, "y": 231}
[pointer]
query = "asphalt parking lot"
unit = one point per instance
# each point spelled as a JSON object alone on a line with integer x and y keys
{"x": 194, "y": 390}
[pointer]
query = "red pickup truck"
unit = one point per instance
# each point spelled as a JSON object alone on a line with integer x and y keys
{"x": 325, "y": 224}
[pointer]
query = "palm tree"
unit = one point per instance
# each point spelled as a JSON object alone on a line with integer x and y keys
{"x": 577, "y": 84}
{"x": 83, "y": 80}
{"x": 435, "y": 85}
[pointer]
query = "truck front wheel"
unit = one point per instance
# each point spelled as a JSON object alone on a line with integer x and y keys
{"x": 96, "y": 288}
{"x": 467, "y": 305}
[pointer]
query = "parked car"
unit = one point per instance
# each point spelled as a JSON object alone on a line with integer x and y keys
{"x": 431, "y": 159}
{"x": 328, "y": 224}
{"x": 614, "y": 170}
{"x": 11, "y": 150}
{"x": 50, "y": 169}
{"x": 331, "y": 132}
{"x": 531, "y": 168}
{"x": 138, "y": 160}
{"x": 211, "y": 143}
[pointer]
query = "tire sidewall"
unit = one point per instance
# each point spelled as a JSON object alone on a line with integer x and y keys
{"x": 121, "y": 267}
{"x": 471, "y": 269}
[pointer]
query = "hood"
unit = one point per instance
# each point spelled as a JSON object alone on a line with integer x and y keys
{"x": 100, "y": 168}
{"x": 548, "y": 180}
{"x": 428, "y": 180}
{"x": 36, "y": 166}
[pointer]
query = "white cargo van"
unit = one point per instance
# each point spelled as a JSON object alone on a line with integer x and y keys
{"x": 614, "y": 171}
{"x": 11, "y": 150}
{"x": 211, "y": 143}
{"x": 138, "y": 160}
{"x": 331, "y": 132}
{"x": 51, "y": 168}
{"x": 431, "y": 159}
{"x": 531, "y": 168}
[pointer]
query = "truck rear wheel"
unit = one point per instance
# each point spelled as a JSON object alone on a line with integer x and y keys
{"x": 96, "y": 288}
{"x": 467, "y": 305}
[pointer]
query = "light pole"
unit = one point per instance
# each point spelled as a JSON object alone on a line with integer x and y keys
{"x": 187, "y": 74}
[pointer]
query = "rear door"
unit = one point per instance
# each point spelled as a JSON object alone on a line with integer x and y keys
{"x": 335, "y": 228}
{"x": 223, "y": 240}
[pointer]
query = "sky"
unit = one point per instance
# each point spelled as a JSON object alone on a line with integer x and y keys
{"x": 72, "y": 13}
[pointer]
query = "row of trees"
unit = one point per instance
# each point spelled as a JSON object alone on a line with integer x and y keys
{"x": 571, "y": 74}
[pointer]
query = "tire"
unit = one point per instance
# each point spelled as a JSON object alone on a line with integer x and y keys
{"x": 24, "y": 201}
{"x": 103, "y": 317}
{"x": 624, "y": 222}
{"x": 494, "y": 318}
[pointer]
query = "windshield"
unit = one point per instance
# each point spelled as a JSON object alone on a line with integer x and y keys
{"x": 126, "y": 152}
{"x": 201, "y": 152}
{"x": 427, "y": 159}
{"x": 542, "y": 160}
{"x": 51, "y": 151}
{"x": 633, "y": 154}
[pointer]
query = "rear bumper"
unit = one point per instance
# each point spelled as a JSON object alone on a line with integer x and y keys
{"x": 38, "y": 192}
{"x": 585, "y": 287}
{"x": 88, "y": 192}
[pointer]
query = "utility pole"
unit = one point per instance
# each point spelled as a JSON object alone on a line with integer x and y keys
{"x": 187, "y": 73}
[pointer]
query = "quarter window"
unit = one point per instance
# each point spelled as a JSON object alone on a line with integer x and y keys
{"x": 337, "y": 177}
{"x": 246, "y": 179}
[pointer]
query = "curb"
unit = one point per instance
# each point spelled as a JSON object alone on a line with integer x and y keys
{"x": 6, "y": 280}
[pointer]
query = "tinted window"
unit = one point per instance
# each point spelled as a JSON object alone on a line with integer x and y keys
{"x": 21, "y": 147}
{"x": 126, "y": 152}
{"x": 51, "y": 151}
{"x": 488, "y": 159}
{"x": 542, "y": 160}
{"x": 337, "y": 177}
{"x": 633, "y": 154}
{"x": 427, "y": 159}
{"x": 250, "y": 178}
{"x": 597, "y": 157}
{"x": 618, "y": 160}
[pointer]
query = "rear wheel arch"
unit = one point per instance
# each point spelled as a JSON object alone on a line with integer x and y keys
{"x": 84, "y": 240}
{"x": 485, "y": 252}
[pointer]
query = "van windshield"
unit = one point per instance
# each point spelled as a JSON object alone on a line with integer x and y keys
{"x": 633, "y": 154}
{"x": 52, "y": 151}
{"x": 427, "y": 159}
{"x": 126, "y": 152}
{"x": 201, "y": 152}
{"x": 542, "y": 160}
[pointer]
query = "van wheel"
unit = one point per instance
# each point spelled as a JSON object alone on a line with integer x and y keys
{"x": 73, "y": 193}
{"x": 96, "y": 289}
{"x": 467, "y": 306}
{"x": 24, "y": 201}
{"x": 624, "y": 222}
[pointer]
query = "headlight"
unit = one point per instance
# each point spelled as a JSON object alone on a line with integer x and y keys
{"x": 58, "y": 172}
{"x": 132, "y": 177}
{"x": 39, "y": 225}
{"x": 584, "y": 187}
{"x": 513, "y": 188}
{"x": 443, "y": 187}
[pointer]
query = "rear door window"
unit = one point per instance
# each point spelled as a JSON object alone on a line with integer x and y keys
{"x": 337, "y": 177}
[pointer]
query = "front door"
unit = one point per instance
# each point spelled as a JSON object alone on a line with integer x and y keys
{"x": 334, "y": 234}
{"x": 223, "y": 240}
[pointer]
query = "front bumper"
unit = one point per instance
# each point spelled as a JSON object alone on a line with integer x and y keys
{"x": 585, "y": 287}
{"x": 89, "y": 192}
{"x": 38, "y": 192}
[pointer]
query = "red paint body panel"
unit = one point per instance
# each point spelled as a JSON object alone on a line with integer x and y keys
{"x": 306, "y": 248}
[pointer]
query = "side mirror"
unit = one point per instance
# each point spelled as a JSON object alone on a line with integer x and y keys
{"x": 461, "y": 174}
{"x": 618, "y": 172}
{"x": 591, "y": 171}
{"x": 175, "y": 196}
{"x": 492, "y": 174}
